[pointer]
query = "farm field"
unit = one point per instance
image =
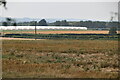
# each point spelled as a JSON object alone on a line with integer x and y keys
{"x": 18, "y": 39}
{"x": 58, "y": 31}
{"x": 60, "y": 59}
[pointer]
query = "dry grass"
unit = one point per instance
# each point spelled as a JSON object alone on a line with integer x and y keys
{"x": 60, "y": 58}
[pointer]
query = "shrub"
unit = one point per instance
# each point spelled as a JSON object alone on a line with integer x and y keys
{"x": 113, "y": 30}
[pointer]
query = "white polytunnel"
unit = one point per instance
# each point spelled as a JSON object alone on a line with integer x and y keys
{"x": 39, "y": 27}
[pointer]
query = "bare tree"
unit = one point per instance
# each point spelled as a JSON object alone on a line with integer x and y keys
{"x": 3, "y": 2}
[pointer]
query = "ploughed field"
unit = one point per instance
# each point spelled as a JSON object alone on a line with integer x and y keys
{"x": 60, "y": 59}
{"x": 58, "y": 31}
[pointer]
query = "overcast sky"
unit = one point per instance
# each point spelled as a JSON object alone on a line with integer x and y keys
{"x": 78, "y": 10}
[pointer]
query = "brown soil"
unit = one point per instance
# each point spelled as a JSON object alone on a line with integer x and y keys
{"x": 65, "y": 32}
{"x": 19, "y": 39}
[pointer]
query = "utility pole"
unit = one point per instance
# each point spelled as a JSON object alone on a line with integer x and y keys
{"x": 35, "y": 30}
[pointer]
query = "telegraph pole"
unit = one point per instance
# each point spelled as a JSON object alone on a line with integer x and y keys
{"x": 35, "y": 30}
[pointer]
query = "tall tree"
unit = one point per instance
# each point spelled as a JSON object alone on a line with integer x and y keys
{"x": 64, "y": 23}
{"x": 57, "y": 23}
{"x": 32, "y": 23}
{"x": 42, "y": 22}
{"x": 4, "y": 24}
{"x": 10, "y": 22}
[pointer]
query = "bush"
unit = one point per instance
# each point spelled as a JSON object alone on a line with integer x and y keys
{"x": 113, "y": 30}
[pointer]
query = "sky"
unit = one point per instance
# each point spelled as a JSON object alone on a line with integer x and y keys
{"x": 100, "y": 11}
{"x": 62, "y": 0}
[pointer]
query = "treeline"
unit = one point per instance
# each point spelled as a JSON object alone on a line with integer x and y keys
{"x": 32, "y": 23}
{"x": 43, "y": 22}
{"x": 66, "y": 36}
{"x": 88, "y": 24}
